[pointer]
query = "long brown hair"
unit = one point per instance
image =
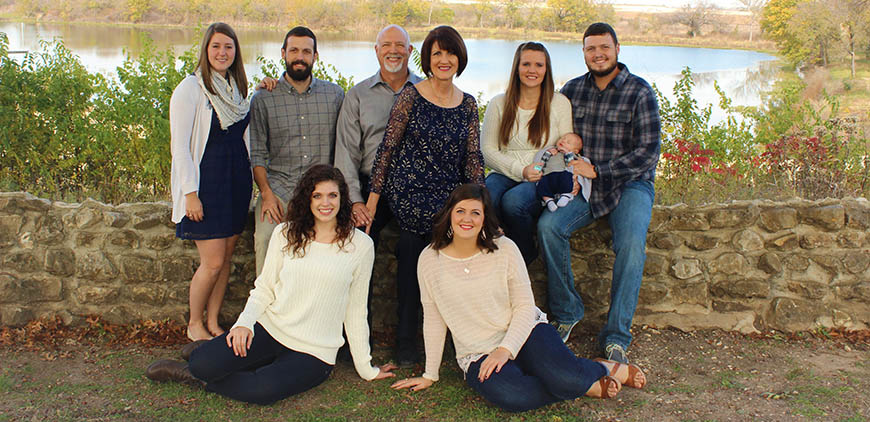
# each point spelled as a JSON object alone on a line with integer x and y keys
{"x": 236, "y": 70}
{"x": 300, "y": 221}
{"x": 441, "y": 236}
{"x": 539, "y": 124}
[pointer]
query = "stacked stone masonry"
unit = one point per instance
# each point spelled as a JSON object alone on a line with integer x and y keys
{"x": 745, "y": 266}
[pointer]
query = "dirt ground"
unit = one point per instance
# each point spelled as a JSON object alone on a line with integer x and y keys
{"x": 698, "y": 376}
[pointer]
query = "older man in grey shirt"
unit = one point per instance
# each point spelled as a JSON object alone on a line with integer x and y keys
{"x": 363, "y": 120}
{"x": 361, "y": 125}
{"x": 292, "y": 128}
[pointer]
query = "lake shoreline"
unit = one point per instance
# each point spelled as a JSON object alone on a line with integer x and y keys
{"x": 517, "y": 34}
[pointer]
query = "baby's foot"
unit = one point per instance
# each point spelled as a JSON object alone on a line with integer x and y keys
{"x": 551, "y": 205}
{"x": 563, "y": 200}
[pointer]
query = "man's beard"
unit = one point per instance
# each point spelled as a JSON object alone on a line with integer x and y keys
{"x": 605, "y": 72}
{"x": 393, "y": 69}
{"x": 298, "y": 75}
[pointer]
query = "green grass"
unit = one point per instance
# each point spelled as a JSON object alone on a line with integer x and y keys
{"x": 5, "y": 383}
{"x": 727, "y": 379}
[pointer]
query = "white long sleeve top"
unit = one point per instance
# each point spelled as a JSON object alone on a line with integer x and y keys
{"x": 303, "y": 302}
{"x": 189, "y": 125}
{"x": 509, "y": 160}
{"x": 485, "y": 300}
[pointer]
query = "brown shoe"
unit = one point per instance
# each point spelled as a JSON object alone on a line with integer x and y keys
{"x": 171, "y": 370}
{"x": 190, "y": 347}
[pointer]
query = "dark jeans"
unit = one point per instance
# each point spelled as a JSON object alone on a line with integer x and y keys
{"x": 518, "y": 207}
{"x": 545, "y": 371}
{"x": 269, "y": 373}
{"x": 408, "y": 251}
{"x": 628, "y": 223}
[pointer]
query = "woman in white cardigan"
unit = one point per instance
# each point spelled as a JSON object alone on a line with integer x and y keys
{"x": 211, "y": 172}
{"x": 528, "y": 117}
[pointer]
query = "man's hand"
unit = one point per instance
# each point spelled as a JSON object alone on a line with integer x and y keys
{"x": 582, "y": 168}
{"x": 361, "y": 216}
{"x": 271, "y": 208}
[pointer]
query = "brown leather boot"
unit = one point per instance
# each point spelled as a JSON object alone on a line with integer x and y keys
{"x": 190, "y": 347}
{"x": 171, "y": 370}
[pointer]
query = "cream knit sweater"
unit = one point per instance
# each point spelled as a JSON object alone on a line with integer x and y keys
{"x": 518, "y": 153}
{"x": 485, "y": 300}
{"x": 302, "y": 302}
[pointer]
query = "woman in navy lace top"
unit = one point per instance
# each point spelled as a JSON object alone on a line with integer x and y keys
{"x": 430, "y": 147}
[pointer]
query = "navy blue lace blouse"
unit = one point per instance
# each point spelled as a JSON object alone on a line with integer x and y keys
{"x": 427, "y": 152}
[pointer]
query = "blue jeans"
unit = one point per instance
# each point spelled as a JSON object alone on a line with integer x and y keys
{"x": 545, "y": 371}
{"x": 269, "y": 373}
{"x": 629, "y": 222}
{"x": 517, "y": 206}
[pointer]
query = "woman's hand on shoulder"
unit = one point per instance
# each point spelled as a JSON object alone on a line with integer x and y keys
{"x": 493, "y": 362}
{"x": 267, "y": 83}
{"x": 414, "y": 384}
{"x": 239, "y": 339}
{"x": 385, "y": 371}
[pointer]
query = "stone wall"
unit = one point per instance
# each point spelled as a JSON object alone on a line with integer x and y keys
{"x": 744, "y": 266}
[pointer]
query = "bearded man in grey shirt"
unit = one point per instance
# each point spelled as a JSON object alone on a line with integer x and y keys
{"x": 292, "y": 128}
{"x": 361, "y": 125}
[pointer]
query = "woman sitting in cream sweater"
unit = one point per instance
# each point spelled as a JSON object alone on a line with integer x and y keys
{"x": 315, "y": 279}
{"x": 473, "y": 281}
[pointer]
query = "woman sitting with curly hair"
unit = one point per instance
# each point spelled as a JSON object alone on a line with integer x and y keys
{"x": 315, "y": 278}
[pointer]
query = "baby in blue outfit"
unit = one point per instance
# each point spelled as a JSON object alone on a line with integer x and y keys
{"x": 558, "y": 185}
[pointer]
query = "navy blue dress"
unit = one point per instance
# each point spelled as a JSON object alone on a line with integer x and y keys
{"x": 225, "y": 184}
{"x": 426, "y": 153}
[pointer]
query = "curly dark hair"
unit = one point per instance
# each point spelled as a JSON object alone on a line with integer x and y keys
{"x": 300, "y": 221}
{"x": 490, "y": 230}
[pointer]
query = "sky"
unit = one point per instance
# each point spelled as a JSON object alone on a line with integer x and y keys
{"x": 724, "y": 4}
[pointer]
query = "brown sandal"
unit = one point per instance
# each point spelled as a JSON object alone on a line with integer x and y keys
{"x": 604, "y": 384}
{"x": 633, "y": 370}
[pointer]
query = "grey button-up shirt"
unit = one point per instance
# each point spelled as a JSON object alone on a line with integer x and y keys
{"x": 361, "y": 125}
{"x": 292, "y": 131}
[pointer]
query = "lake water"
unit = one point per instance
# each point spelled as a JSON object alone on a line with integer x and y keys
{"x": 744, "y": 75}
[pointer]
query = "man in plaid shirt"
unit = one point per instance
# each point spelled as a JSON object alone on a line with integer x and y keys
{"x": 292, "y": 129}
{"x": 617, "y": 116}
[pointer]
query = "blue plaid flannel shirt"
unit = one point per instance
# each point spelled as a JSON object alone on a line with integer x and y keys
{"x": 621, "y": 131}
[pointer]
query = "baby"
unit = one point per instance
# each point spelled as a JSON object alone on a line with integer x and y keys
{"x": 558, "y": 185}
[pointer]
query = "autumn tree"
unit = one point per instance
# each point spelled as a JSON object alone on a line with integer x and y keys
{"x": 572, "y": 15}
{"x": 853, "y": 17}
{"x": 754, "y": 7}
{"x": 775, "y": 22}
{"x": 813, "y": 25}
{"x": 696, "y": 17}
{"x": 482, "y": 10}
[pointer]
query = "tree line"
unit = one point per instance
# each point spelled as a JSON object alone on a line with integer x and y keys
{"x": 549, "y": 15}
{"x": 819, "y": 31}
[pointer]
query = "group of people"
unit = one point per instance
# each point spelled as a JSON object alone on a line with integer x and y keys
{"x": 322, "y": 159}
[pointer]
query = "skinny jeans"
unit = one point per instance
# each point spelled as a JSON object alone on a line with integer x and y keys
{"x": 270, "y": 372}
{"x": 545, "y": 371}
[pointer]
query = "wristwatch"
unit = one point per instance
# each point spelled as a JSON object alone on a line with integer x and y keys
{"x": 595, "y": 169}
